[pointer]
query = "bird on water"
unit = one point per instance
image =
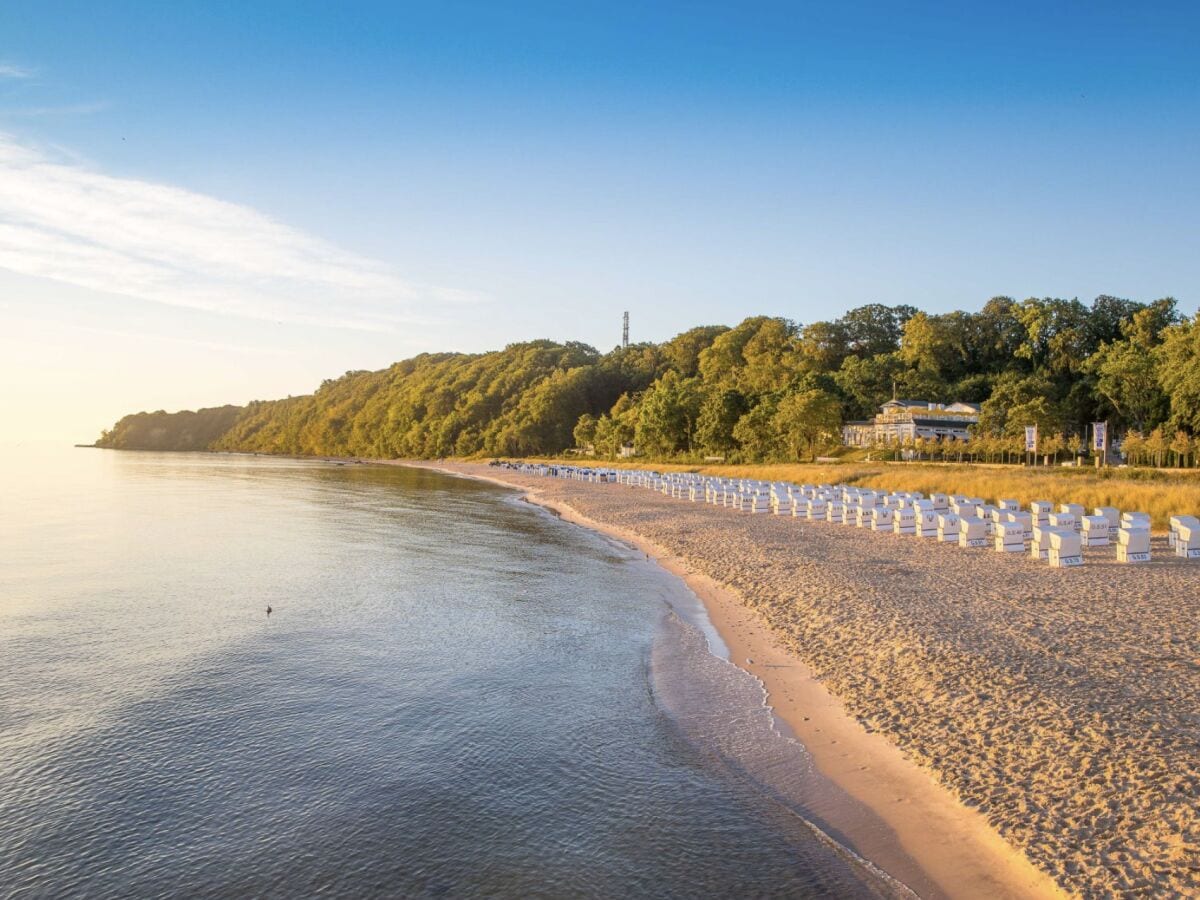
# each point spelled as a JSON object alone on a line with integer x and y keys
{"x": 268, "y": 610}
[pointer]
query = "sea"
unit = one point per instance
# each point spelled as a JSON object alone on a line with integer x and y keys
{"x": 455, "y": 694}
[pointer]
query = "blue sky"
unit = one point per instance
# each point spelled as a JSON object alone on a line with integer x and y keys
{"x": 209, "y": 202}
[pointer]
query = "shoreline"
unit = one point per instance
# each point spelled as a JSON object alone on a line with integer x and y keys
{"x": 955, "y": 848}
{"x": 1056, "y": 704}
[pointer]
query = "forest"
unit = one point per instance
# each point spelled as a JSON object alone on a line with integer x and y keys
{"x": 766, "y": 390}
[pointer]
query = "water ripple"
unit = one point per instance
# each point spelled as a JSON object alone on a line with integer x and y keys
{"x": 451, "y": 699}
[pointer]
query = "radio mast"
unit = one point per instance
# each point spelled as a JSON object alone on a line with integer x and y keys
{"x": 625, "y": 330}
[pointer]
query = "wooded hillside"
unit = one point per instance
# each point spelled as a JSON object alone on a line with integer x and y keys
{"x": 768, "y": 389}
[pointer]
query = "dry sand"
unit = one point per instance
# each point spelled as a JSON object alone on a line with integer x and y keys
{"x": 1061, "y": 708}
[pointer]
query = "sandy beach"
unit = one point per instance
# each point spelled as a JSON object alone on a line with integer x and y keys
{"x": 1017, "y": 727}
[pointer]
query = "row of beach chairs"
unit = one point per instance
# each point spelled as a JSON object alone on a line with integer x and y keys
{"x": 1057, "y": 535}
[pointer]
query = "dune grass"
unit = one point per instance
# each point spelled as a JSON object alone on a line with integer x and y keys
{"x": 1161, "y": 493}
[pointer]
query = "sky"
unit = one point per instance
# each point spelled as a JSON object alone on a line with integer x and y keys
{"x": 219, "y": 201}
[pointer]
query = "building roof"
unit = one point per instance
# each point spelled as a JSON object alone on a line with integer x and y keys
{"x": 940, "y": 423}
{"x": 957, "y": 407}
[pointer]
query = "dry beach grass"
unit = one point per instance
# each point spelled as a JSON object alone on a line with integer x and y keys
{"x": 1062, "y": 704}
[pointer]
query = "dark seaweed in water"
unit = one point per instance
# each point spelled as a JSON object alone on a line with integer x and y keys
{"x": 401, "y": 726}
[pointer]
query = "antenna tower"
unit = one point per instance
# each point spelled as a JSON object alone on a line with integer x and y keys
{"x": 625, "y": 330}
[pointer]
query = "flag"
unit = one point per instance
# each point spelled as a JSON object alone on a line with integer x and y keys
{"x": 1031, "y": 439}
{"x": 1099, "y": 436}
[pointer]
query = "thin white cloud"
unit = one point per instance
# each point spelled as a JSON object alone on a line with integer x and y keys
{"x": 70, "y": 109}
{"x": 143, "y": 338}
{"x": 11, "y": 70}
{"x": 62, "y": 220}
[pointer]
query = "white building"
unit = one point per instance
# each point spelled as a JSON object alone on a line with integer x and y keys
{"x": 901, "y": 420}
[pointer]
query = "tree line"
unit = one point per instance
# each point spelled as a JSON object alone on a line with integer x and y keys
{"x": 767, "y": 389}
{"x": 186, "y": 430}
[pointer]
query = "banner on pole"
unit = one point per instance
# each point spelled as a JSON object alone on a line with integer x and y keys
{"x": 1100, "y": 436}
{"x": 1031, "y": 439}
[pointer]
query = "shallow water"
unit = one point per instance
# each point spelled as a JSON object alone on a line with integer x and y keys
{"x": 456, "y": 695}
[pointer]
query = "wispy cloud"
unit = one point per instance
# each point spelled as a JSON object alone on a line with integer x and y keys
{"x": 11, "y": 70}
{"x": 62, "y": 220}
{"x": 69, "y": 109}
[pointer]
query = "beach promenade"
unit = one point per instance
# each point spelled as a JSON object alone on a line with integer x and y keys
{"x": 1062, "y": 706}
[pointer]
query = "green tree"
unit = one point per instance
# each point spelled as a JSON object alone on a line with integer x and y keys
{"x": 719, "y": 413}
{"x": 1147, "y": 324}
{"x": 610, "y": 437}
{"x": 875, "y": 328}
{"x": 771, "y": 358}
{"x": 937, "y": 345}
{"x": 1126, "y": 369}
{"x": 1181, "y": 447}
{"x": 1133, "y": 448}
{"x": 996, "y": 335}
{"x": 1057, "y": 334}
{"x": 1014, "y": 391}
{"x": 755, "y": 432}
{"x": 1109, "y": 317}
{"x": 682, "y": 352}
{"x": 1035, "y": 411}
{"x": 867, "y": 383}
{"x": 667, "y": 415}
{"x": 1127, "y": 377}
{"x": 617, "y": 427}
{"x": 1179, "y": 372}
{"x": 585, "y": 431}
{"x": 823, "y": 346}
{"x": 1157, "y": 445}
{"x": 806, "y": 420}
{"x": 1051, "y": 445}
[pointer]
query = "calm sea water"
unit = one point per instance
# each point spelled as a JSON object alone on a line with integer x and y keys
{"x": 456, "y": 695}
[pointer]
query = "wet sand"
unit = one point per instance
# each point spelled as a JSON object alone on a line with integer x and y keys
{"x": 993, "y": 711}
